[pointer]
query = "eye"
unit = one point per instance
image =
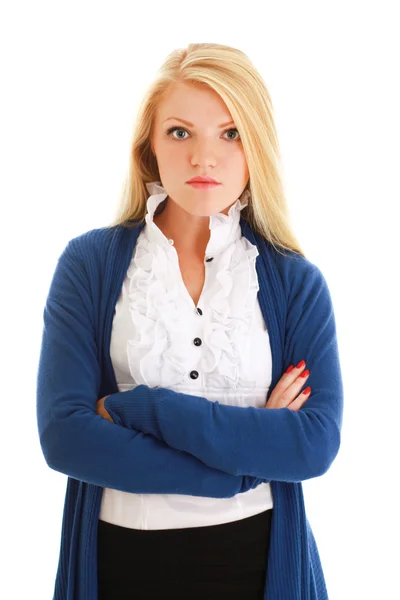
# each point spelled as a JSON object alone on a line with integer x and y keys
{"x": 173, "y": 129}
{"x": 234, "y": 129}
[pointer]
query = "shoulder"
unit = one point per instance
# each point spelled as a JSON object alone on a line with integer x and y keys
{"x": 304, "y": 285}
{"x": 292, "y": 274}
{"x": 292, "y": 266}
{"x": 93, "y": 241}
{"x": 99, "y": 244}
{"x": 285, "y": 269}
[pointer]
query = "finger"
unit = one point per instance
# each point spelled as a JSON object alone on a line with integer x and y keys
{"x": 294, "y": 389}
{"x": 300, "y": 400}
{"x": 287, "y": 379}
{"x": 289, "y": 385}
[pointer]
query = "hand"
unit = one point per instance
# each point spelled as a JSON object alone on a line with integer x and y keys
{"x": 100, "y": 410}
{"x": 286, "y": 392}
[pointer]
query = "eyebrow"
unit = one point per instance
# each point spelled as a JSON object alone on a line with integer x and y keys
{"x": 191, "y": 124}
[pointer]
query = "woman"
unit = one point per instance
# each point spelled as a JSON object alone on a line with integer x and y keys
{"x": 165, "y": 334}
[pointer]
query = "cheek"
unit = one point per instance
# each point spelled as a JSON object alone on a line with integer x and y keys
{"x": 237, "y": 161}
{"x": 243, "y": 162}
{"x": 172, "y": 155}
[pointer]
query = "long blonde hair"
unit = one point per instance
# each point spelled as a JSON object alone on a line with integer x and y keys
{"x": 230, "y": 73}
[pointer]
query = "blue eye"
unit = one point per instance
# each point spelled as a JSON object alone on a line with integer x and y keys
{"x": 172, "y": 129}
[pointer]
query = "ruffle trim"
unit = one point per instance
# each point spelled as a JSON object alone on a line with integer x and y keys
{"x": 156, "y": 355}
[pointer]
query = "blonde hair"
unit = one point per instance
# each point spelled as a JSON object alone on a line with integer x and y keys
{"x": 230, "y": 73}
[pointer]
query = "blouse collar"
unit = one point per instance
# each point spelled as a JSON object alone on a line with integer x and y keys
{"x": 224, "y": 229}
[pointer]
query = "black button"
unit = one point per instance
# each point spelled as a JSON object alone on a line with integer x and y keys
{"x": 209, "y": 259}
{"x": 197, "y": 341}
{"x": 194, "y": 374}
{"x": 199, "y": 311}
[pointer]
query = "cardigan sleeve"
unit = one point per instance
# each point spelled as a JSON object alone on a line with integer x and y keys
{"x": 273, "y": 444}
{"x": 78, "y": 442}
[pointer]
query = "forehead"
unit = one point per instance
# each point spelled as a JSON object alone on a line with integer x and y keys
{"x": 193, "y": 102}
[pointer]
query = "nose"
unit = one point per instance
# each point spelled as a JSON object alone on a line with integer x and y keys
{"x": 204, "y": 153}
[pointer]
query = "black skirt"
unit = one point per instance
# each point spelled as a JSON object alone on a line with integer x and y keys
{"x": 227, "y": 561}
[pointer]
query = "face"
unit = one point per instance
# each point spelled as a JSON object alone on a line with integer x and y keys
{"x": 203, "y": 148}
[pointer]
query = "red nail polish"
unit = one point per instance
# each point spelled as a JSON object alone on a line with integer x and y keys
{"x": 301, "y": 364}
{"x": 305, "y": 373}
{"x": 307, "y": 390}
{"x": 289, "y": 369}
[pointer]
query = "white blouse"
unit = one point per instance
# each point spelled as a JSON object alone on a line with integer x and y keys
{"x": 222, "y": 352}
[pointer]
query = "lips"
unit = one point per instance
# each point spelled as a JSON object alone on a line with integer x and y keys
{"x": 202, "y": 179}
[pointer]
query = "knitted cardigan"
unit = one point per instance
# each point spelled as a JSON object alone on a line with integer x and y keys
{"x": 163, "y": 441}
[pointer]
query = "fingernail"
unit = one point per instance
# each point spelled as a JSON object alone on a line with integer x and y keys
{"x": 289, "y": 369}
{"x": 301, "y": 364}
{"x": 305, "y": 373}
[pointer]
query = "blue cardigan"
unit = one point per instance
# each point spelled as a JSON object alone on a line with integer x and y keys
{"x": 165, "y": 442}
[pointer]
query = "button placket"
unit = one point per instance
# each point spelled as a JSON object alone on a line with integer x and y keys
{"x": 197, "y": 342}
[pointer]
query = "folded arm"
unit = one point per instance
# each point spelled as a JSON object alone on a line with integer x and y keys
{"x": 272, "y": 444}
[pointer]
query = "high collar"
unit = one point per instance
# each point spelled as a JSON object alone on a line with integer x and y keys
{"x": 224, "y": 229}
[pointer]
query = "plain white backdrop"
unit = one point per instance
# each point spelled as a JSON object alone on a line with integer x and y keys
{"x": 72, "y": 74}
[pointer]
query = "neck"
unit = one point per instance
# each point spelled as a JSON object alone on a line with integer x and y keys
{"x": 190, "y": 233}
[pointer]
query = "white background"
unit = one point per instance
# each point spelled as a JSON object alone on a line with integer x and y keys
{"x": 72, "y": 74}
